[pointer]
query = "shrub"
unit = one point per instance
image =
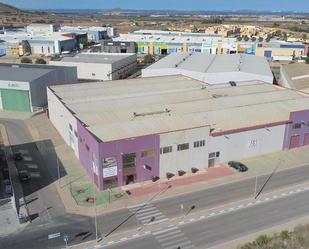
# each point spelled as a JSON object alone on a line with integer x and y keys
{"x": 25, "y": 60}
{"x": 148, "y": 59}
{"x": 262, "y": 240}
{"x": 284, "y": 235}
{"x": 40, "y": 61}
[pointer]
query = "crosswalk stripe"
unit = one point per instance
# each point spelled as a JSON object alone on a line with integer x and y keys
{"x": 143, "y": 210}
{"x": 174, "y": 242}
{"x": 148, "y": 217}
{"x": 150, "y": 212}
{"x": 161, "y": 236}
{"x": 159, "y": 221}
{"x": 171, "y": 237}
{"x": 165, "y": 230}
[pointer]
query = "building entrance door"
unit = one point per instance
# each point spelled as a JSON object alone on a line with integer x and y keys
{"x": 295, "y": 141}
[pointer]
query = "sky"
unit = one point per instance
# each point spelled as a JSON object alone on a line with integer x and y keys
{"x": 259, "y": 5}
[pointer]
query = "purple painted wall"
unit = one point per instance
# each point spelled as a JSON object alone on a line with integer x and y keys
{"x": 301, "y": 117}
{"x": 92, "y": 152}
{"x": 134, "y": 145}
{"x": 88, "y": 147}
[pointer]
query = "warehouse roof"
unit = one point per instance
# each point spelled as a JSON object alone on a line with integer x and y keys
{"x": 129, "y": 108}
{"x": 24, "y": 72}
{"x": 298, "y": 75}
{"x": 102, "y": 58}
{"x": 206, "y": 63}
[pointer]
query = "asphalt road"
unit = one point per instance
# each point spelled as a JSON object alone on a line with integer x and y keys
{"x": 49, "y": 215}
{"x": 223, "y": 228}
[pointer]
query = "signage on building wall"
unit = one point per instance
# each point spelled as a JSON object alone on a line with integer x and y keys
{"x": 252, "y": 143}
{"x": 14, "y": 85}
{"x": 109, "y": 166}
{"x": 95, "y": 167}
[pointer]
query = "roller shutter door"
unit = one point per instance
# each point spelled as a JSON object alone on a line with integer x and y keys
{"x": 15, "y": 100}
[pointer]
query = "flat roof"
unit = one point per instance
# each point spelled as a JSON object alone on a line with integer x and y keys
{"x": 298, "y": 74}
{"x": 170, "y": 103}
{"x": 102, "y": 58}
{"x": 24, "y": 72}
{"x": 207, "y": 63}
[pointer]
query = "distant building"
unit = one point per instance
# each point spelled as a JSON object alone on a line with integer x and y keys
{"x": 164, "y": 42}
{"x": 118, "y": 47}
{"x": 212, "y": 69}
{"x": 95, "y": 34}
{"x": 101, "y": 66}
{"x": 134, "y": 130}
{"x": 23, "y": 86}
{"x": 42, "y": 28}
{"x": 295, "y": 76}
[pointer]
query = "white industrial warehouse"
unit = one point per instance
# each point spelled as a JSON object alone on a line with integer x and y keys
{"x": 101, "y": 66}
{"x": 212, "y": 69}
{"x": 23, "y": 86}
{"x": 134, "y": 130}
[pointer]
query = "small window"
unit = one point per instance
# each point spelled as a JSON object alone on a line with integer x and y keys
{"x": 87, "y": 147}
{"x": 198, "y": 144}
{"x": 75, "y": 133}
{"x": 148, "y": 153}
{"x": 93, "y": 74}
{"x": 297, "y": 126}
{"x": 181, "y": 147}
{"x": 166, "y": 149}
{"x": 212, "y": 155}
{"x": 70, "y": 126}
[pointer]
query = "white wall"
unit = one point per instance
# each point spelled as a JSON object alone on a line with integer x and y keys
{"x": 94, "y": 71}
{"x": 61, "y": 117}
{"x": 186, "y": 159}
{"x": 248, "y": 143}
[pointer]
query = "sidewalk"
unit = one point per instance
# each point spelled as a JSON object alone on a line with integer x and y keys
{"x": 41, "y": 129}
{"x": 10, "y": 208}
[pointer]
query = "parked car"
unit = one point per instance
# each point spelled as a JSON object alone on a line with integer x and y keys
{"x": 24, "y": 175}
{"x": 8, "y": 187}
{"x": 17, "y": 156}
{"x": 238, "y": 166}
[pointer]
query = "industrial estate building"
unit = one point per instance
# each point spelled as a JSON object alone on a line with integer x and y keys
{"x": 50, "y": 39}
{"x": 101, "y": 66}
{"x": 212, "y": 69}
{"x": 23, "y": 86}
{"x": 295, "y": 76}
{"x": 132, "y": 130}
{"x": 164, "y": 42}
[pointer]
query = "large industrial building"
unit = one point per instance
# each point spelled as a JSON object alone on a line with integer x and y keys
{"x": 100, "y": 66}
{"x": 23, "y": 86}
{"x": 132, "y": 130}
{"x": 212, "y": 69}
{"x": 164, "y": 42}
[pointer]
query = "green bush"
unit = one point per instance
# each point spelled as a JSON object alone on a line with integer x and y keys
{"x": 26, "y": 60}
{"x": 40, "y": 61}
{"x": 148, "y": 59}
{"x": 262, "y": 240}
{"x": 284, "y": 235}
